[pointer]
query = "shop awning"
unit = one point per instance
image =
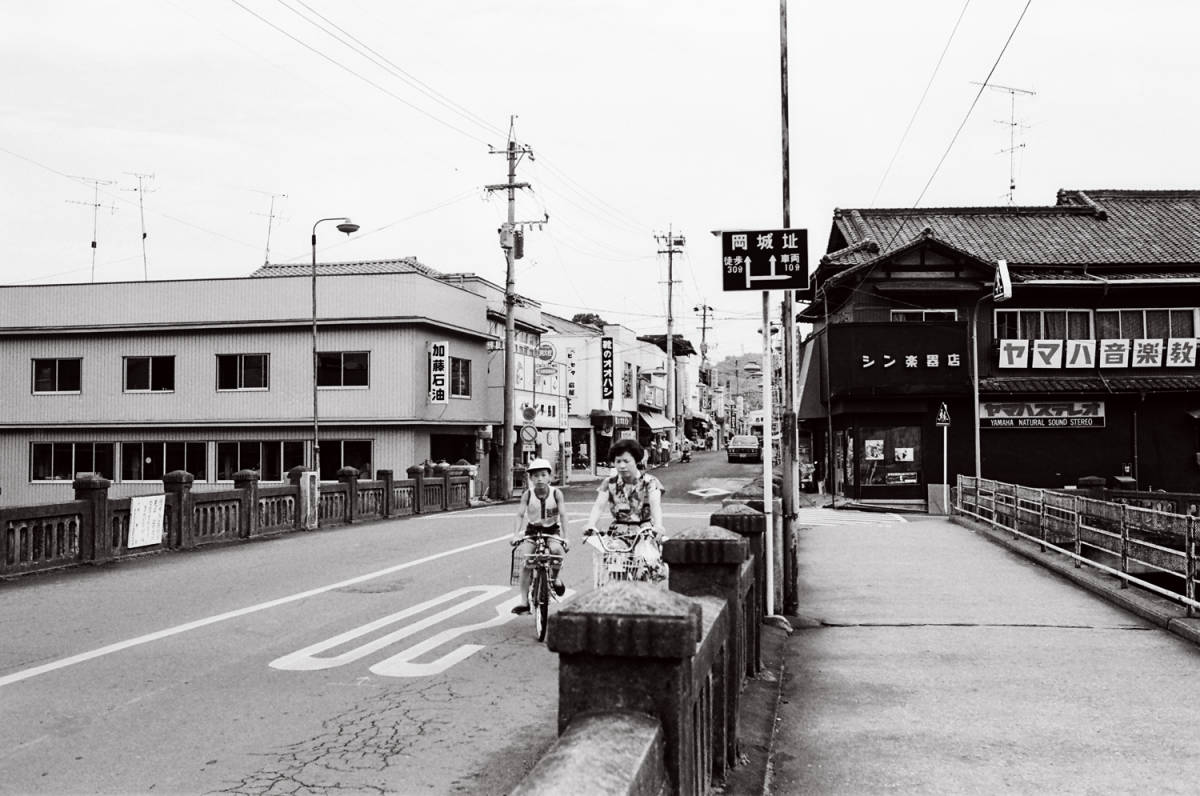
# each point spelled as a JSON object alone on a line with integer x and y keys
{"x": 605, "y": 416}
{"x": 656, "y": 421}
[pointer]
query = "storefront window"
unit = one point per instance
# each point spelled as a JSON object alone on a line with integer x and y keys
{"x": 889, "y": 456}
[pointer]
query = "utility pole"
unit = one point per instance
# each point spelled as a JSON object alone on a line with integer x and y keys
{"x": 674, "y": 244}
{"x": 95, "y": 205}
{"x": 508, "y": 242}
{"x": 141, "y": 192}
{"x": 788, "y": 436}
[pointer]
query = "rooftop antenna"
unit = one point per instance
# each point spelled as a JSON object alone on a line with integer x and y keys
{"x": 95, "y": 205}
{"x": 270, "y": 214}
{"x": 142, "y": 190}
{"x": 1012, "y": 123}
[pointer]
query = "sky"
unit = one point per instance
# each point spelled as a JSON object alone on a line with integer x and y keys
{"x": 644, "y": 118}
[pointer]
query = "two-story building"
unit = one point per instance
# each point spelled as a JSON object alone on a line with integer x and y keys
{"x": 135, "y": 379}
{"x": 1076, "y": 357}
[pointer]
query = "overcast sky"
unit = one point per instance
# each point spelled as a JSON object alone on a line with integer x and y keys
{"x": 642, "y": 116}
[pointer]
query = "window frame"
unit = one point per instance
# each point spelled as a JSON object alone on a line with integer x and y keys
{"x": 464, "y": 364}
{"x": 149, "y": 373}
{"x": 241, "y": 373}
{"x": 342, "y": 370}
{"x": 58, "y": 361}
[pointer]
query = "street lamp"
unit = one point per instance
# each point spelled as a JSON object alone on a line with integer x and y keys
{"x": 348, "y": 227}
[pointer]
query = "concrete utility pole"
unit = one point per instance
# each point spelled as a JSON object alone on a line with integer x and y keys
{"x": 674, "y": 244}
{"x": 513, "y": 152}
{"x": 788, "y": 437}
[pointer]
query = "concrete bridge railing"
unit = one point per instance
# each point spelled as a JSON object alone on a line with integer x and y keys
{"x": 650, "y": 680}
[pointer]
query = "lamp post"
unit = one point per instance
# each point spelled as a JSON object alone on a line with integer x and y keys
{"x": 347, "y": 226}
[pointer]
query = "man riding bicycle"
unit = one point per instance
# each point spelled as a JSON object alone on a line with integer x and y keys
{"x": 540, "y": 511}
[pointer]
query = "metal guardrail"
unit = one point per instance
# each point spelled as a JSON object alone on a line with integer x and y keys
{"x": 1076, "y": 525}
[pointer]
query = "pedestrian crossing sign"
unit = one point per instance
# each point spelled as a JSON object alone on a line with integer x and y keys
{"x": 943, "y": 418}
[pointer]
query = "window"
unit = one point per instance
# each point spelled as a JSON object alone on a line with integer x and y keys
{"x": 57, "y": 375}
{"x": 1154, "y": 324}
{"x": 336, "y": 454}
{"x": 460, "y": 377}
{"x": 342, "y": 369}
{"x": 150, "y": 461}
{"x": 1044, "y": 324}
{"x": 242, "y": 372}
{"x": 272, "y": 458}
{"x": 61, "y": 461}
{"x": 149, "y": 374}
{"x": 924, "y": 315}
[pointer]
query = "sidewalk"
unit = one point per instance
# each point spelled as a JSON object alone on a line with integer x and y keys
{"x": 928, "y": 659}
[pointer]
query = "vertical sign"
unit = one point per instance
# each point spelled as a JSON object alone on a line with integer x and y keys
{"x": 146, "y": 520}
{"x": 606, "y": 368}
{"x": 439, "y": 362}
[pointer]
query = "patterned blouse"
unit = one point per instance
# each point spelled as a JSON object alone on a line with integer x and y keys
{"x": 630, "y": 503}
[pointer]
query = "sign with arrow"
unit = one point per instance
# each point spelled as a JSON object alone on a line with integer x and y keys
{"x": 771, "y": 259}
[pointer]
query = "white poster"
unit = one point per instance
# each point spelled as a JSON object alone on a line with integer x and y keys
{"x": 146, "y": 520}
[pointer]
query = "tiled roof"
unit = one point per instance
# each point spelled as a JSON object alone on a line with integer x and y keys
{"x": 1091, "y": 383}
{"x": 1094, "y": 227}
{"x": 402, "y": 266}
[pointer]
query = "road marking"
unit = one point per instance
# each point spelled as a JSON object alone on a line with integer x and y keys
{"x": 119, "y": 646}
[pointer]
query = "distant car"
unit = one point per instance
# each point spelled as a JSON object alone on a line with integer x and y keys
{"x": 744, "y": 448}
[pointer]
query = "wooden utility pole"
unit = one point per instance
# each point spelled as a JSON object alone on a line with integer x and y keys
{"x": 513, "y": 152}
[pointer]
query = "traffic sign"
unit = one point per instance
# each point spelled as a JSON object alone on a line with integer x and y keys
{"x": 528, "y": 433}
{"x": 770, "y": 259}
{"x": 943, "y": 418}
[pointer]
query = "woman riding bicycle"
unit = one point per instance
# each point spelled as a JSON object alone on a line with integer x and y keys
{"x": 633, "y": 498}
{"x": 540, "y": 511}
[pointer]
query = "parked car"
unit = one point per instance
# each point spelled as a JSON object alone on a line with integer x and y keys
{"x": 744, "y": 448}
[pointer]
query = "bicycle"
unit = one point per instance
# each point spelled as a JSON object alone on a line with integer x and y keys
{"x": 541, "y": 583}
{"x": 632, "y": 556}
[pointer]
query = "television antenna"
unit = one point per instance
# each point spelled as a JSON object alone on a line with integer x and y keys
{"x": 95, "y": 205}
{"x": 1012, "y": 124}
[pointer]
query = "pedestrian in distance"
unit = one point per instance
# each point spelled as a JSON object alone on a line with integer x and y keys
{"x": 540, "y": 511}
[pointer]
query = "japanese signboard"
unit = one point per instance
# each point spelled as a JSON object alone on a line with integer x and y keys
{"x": 439, "y": 372}
{"x": 606, "y": 367}
{"x": 146, "y": 520}
{"x": 774, "y": 259}
{"x": 1042, "y": 414}
{"x": 1173, "y": 352}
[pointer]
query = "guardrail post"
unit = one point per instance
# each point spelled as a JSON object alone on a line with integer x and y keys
{"x": 417, "y": 474}
{"x": 629, "y": 647}
{"x": 179, "y": 484}
{"x": 247, "y": 482}
{"x": 750, "y": 524}
{"x": 1124, "y": 544}
{"x": 95, "y": 542}
{"x": 709, "y": 562}
{"x": 389, "y": 481}
{"x": 349, "y": 477}
{"x": 1189, "y": 564}
{"x": 1079, "y": 543}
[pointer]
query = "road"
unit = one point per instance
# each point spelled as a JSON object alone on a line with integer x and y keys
{"x": 377, "y": 658}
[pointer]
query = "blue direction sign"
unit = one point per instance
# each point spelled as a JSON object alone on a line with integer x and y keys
{"x": 770, "y": 259}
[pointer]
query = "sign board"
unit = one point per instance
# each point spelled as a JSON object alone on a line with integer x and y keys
{"x": 771, "y": 259}
{"x": 439, "y": 372}
{"x": 606, "y": 368}
{"x": 546, "y": 352}
{"x": 943, "y": 418}
{"x": 310, "y": 499}
{"x": 1042, "y": 414}
{"x": 528, "y": 433}
{"x": 1002, "y": 287}
{"x": 146, "y": 520}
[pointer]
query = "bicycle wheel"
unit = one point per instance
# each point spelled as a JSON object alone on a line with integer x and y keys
{"x": 539, "y": 601}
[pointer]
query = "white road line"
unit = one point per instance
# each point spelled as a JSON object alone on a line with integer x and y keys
{"x": 82, "y": 657}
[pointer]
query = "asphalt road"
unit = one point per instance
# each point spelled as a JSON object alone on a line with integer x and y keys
{"x": 377, "y": 658}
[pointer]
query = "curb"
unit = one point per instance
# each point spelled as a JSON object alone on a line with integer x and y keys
{"x": 1154, "y": 609}
{"x": 757, "y": 718}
